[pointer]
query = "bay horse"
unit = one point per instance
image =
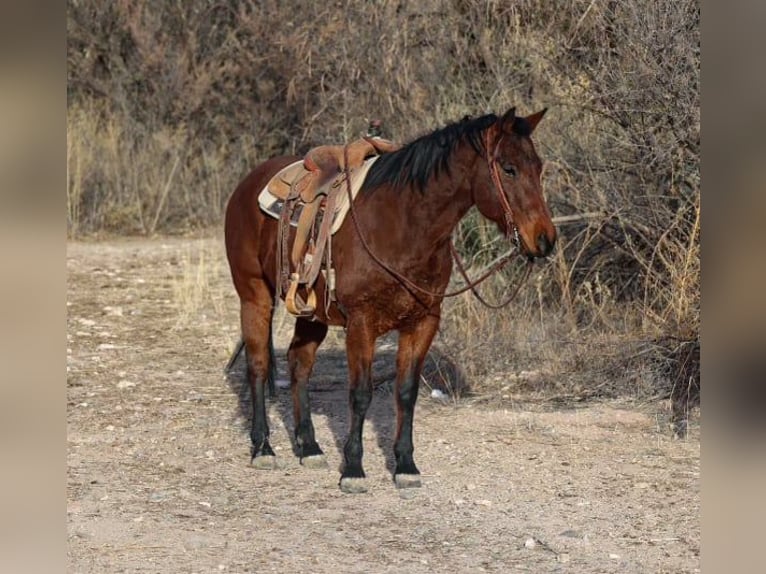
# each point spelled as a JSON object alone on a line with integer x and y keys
{"x": 402, "y": 222}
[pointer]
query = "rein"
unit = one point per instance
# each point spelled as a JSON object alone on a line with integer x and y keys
{"x": 502, "y": 262}
{"x": 481, "y": 299}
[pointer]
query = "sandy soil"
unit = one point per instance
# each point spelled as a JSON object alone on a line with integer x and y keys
{"x": 158, "y": 467}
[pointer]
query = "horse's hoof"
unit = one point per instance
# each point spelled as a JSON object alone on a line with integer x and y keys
{"x": 315, "y": 461}
{"x": 407, "y": 481}
{"x": 264, "y": 462}
{"x": 351, "y": 485}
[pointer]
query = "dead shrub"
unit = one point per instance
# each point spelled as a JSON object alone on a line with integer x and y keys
{"x": 170, "y": 104}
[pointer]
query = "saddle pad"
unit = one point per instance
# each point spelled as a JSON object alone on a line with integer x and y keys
{"x": 272, "y": 205}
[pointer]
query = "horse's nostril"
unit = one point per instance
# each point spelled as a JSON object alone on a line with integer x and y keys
{"x": 544, "y": 245}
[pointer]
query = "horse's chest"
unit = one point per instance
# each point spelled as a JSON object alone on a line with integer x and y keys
{"x": 386, "y": 303}
{"x": 393, "y": 308}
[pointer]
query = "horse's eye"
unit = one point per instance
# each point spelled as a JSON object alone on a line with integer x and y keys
{"x": 509, "y": 169}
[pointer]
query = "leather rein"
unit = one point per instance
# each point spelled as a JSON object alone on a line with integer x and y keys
{"x": 470, "y": 284}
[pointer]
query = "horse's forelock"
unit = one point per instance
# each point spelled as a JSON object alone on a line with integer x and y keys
{"x": 522, "y": 127}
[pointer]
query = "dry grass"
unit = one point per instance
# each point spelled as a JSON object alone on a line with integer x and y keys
{"x": 197, "y": 287}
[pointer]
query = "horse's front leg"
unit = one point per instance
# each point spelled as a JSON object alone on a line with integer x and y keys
{"x": 413, "y": 345}
{"x": 301, "y": 356}
{"x": 360, "y": 346}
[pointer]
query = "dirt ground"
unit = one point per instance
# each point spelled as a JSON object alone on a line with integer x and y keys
{"x": 158, "y": 465}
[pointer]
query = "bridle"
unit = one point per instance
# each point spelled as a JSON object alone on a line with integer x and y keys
{"x": 510, "y": 224}
{"x": 511, "y": 230}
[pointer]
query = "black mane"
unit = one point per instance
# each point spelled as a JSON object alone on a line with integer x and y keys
{"x": 427, "y": 155}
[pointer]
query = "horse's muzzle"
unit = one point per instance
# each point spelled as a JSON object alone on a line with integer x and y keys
{"x": 545, "y": 244}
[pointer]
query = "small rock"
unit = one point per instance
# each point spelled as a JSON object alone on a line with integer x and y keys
{"x": 439, "y": 395}
{"x": 158, "y": 496}
{"x": 113, "y": 311}
{"x": 530, "y": 543}
{"x": 614, "y": 556}
{"x": 125, "y": 384}
{"x": 563, "y": 557}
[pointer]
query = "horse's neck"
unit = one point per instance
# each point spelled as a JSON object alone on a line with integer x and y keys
{"x": 429, "y": 215}
{"x": 447, "y": 198}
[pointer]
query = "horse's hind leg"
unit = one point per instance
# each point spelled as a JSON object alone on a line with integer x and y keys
{"x": 413, "y": 346}
{"x": 360, "y": 347}
{"x": 256, "y": 329}
{"x": 272, "y": 363}
{"x": 301, "y": 355}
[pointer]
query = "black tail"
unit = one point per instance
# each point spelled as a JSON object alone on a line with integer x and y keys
{"x": 234, "y": 356}
{"x": 272, "y": 363}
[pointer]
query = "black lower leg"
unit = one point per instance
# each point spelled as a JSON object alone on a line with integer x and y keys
{"x": 306, "y": 340}
{"x": 406, "y": 396}
{"x": 360, "y": 398}
{"x": 305, "y": 442}
{"x": 259, "y": 432}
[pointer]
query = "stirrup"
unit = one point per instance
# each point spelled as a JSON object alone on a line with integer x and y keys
{"x": 293, "y": 302}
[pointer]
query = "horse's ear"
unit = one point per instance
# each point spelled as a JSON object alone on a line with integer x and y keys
{"x": 506, "y": 122}
{"x": 534, "y": 119}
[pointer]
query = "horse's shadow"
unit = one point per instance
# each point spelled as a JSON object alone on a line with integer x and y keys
{"x": 328, "y": 393}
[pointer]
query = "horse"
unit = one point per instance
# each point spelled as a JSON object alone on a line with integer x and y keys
{"x": 393, "y": 262}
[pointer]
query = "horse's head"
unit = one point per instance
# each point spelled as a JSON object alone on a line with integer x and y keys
{"x": 513, "y": 196}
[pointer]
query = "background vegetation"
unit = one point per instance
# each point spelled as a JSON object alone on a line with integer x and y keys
{"x": 170, "y": 103}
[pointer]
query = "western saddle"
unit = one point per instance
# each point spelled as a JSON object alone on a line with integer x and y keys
{"x": 313, "y": 187}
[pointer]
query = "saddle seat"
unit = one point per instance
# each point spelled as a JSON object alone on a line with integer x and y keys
{"x": 328, "y": 160}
